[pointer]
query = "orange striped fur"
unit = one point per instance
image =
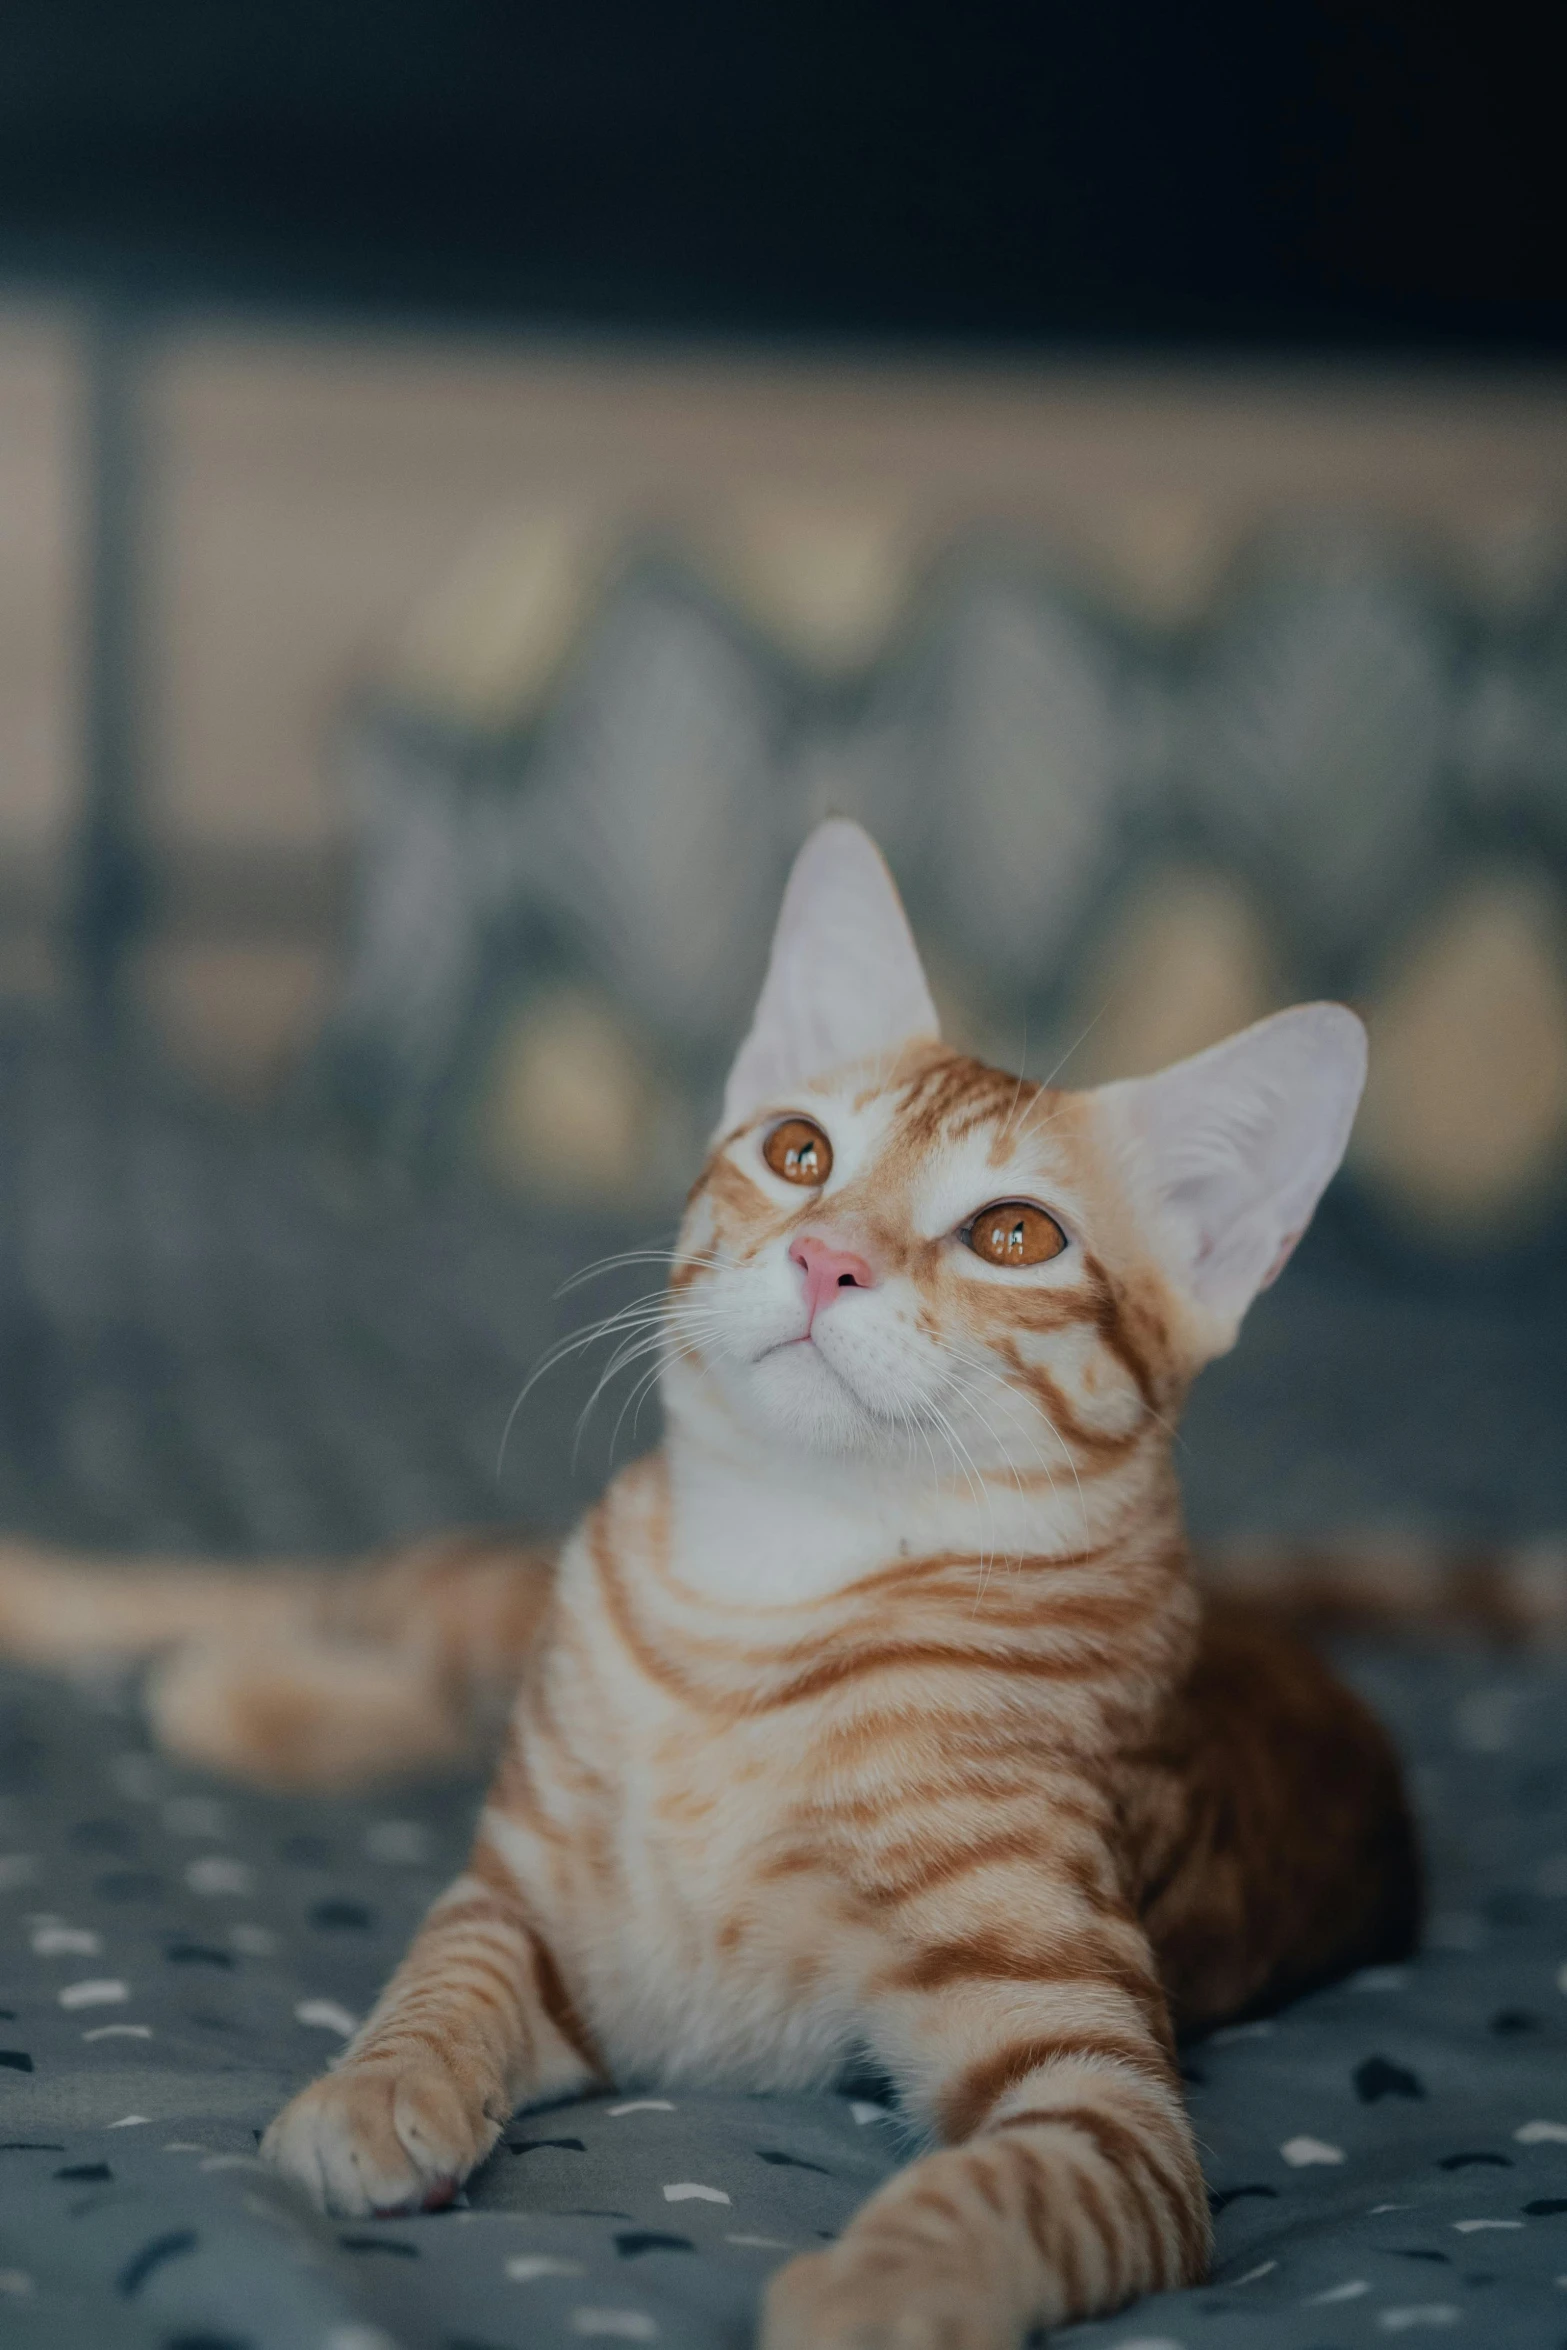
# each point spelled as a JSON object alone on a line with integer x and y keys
{"x": 878, "y": 1710}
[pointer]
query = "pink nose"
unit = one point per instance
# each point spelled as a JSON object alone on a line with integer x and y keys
{"x": 827, "y": 1270}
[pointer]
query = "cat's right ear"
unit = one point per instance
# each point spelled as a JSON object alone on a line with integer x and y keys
{"x": 844, "y": 978}
{"x": 1227, "y": 1154}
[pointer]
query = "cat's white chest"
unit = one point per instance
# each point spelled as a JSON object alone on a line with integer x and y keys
{"x": 725, "y": 1962}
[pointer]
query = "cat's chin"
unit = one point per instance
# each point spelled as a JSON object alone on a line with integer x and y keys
{"x": 793, "y": 1392}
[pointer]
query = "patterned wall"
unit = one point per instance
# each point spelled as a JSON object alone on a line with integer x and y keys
{"x": 575, "y": 807}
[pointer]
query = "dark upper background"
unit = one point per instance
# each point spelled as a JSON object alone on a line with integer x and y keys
{"x": 1352, "y": 177}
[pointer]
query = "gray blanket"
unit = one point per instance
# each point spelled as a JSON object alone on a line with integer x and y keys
{"x": 210, "y": 1339}
{"x": 1387, "y": 2157}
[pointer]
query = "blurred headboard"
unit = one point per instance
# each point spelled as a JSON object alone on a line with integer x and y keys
{"x": 1117, "y": 841}
{"x": 517, "y": 669}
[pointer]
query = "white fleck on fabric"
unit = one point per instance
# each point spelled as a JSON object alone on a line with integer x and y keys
{"x": 218, "y": 1874}
{"x": 325, "y": 2015}
{"x": 104, "y": 1992}
{"x": 1301, "y": 2152}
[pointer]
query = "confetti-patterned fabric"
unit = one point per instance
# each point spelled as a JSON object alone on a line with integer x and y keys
{"x": 1387, "y": 2157}
{"x": 207, "y": 1341}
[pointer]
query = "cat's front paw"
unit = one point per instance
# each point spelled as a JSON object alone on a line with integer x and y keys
{"x": 854, "y": 2298}
{"x": 374, "y": 2138}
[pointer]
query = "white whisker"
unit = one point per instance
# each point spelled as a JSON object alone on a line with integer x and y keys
{"x": 1026, "y": 1404}
{"x": 637, "y": 1256}
{"x": 1022, "y": 1063}
{"x": 648, "y": 1312}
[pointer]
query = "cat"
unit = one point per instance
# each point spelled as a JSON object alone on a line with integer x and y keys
{"x": 877, "y": 1711}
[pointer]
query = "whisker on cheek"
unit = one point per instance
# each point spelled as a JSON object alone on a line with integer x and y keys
{"x": 645, "y": 1309}
{"x": 964, "y": 1459}
{"x": 660, "y": 1342}
{"x": 1032, "y": 1406}
{"x": 676, "y": 1258}
{"x": 643, "y": 1321}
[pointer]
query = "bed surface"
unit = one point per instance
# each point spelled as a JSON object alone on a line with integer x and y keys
{"x": 1388, "y": 2156}
{"x": 210, "y": 1340}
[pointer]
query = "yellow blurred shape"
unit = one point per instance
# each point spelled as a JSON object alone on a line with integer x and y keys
{"x": 1185, "y": 962}
{"x": 570, "y": 1111}
{"x": 1161, "y": 555}
{"x": 487, "y": 642}
{"x": 236, "y": 1013}
{"x": 1465, "y": 1114}
{"x": 827, "y": 579}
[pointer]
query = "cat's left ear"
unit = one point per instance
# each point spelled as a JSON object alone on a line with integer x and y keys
{"x": 1227, "y": 1154}
{"x": 844, "y": 979}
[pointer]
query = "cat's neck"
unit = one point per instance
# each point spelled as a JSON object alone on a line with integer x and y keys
{"x": 785, "y": 1528}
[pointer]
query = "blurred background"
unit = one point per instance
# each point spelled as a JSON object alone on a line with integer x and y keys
{"x": 477, "y": 482}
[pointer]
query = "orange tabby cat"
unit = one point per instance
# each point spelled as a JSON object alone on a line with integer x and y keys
{"x": 877, "y": 1710}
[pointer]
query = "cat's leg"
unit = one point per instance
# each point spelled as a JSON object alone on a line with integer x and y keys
{"x": 475, "y": 2021}
{"x": 1069, "y": 2182}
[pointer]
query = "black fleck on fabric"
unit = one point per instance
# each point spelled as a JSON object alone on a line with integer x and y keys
{"x": 211, "y": 1341}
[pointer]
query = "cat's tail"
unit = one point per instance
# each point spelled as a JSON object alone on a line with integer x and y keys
{"x": 297, "y": 1676}
{"x": 1513, "y": 1596}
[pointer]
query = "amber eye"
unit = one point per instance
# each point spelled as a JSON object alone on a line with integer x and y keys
{"x": 799, "y": 1151}
{"x": 1012, "y": 1232}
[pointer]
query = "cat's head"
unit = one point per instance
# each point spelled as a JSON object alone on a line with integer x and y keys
{"x": 899, "y": 1254}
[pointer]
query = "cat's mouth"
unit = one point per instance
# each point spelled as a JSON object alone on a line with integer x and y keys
{"x": 805, "y": 1342}
{"x": 782, "y": 1346}
{"x": 801, "y": 1338}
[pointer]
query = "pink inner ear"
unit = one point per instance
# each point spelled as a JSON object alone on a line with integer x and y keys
{"x": 1286, "y": 1251}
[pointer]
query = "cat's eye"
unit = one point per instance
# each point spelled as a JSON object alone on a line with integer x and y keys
{"x": 799, "y": 1151}
{"x": 1014, "y": 1232}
